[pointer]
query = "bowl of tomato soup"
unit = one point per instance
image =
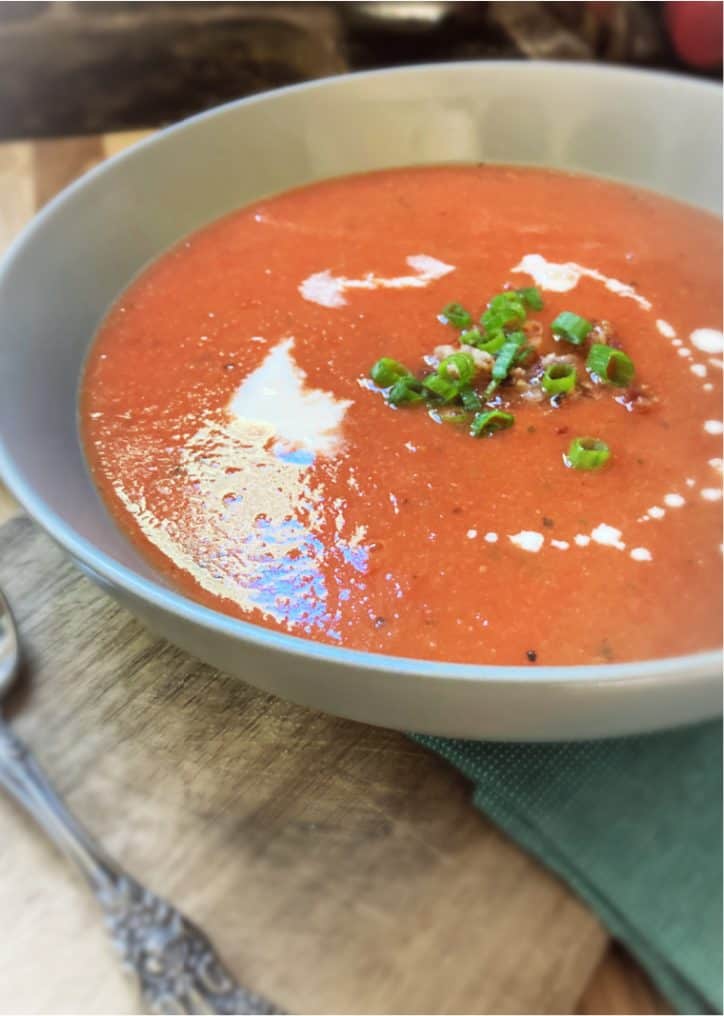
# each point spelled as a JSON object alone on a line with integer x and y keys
{"x": 398, "y": 395}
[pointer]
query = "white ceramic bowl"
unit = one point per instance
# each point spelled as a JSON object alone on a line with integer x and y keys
{"x": 58, "y": 279}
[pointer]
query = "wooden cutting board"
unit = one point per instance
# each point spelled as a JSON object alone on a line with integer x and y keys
{"x": 339, "y": 868}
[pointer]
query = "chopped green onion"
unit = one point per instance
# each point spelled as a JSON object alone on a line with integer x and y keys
{"x": 493, "y": 342}
{"x": 450, "y": 414}
{"x": 456, "y": 315}
{"x": 441, "y": 387}
{"x": 559, "y": 378}
{"x": 513, "y": 351}
{"x": 612, "y": 366}
{"x": 587, "y": 453}
{"x": 523, "y": 353}
{"x": 386, "y": 371}
{"x": 506, "y": 358}
{"x": 457, "y": 367}
{"x": 406, "y": 390}
{"x": 531, "y": 297}
{"x": 503, "y": 309}
{"x": 471, "y": 336}
{"x": 571, "y": 327}
{"x": 470, "y": 400}
{"x": 491, "y": 422}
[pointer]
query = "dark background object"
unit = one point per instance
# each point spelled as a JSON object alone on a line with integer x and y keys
{"x": 76, "y": 68}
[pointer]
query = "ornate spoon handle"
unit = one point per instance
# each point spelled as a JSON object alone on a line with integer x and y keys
{"x": 177, "y": 968}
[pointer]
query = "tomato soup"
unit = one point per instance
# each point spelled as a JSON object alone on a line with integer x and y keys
{"x": 466, "y": 413}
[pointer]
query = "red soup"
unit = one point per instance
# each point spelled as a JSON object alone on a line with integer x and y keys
{"x": 459, "y": 413}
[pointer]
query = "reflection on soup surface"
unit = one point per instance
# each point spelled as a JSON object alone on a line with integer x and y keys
{"x": 458, "y": 413}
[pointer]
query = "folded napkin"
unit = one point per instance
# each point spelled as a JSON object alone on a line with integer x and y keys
{"x": 634, "y": 826}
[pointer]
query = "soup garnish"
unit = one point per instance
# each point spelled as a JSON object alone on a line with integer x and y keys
{"x": 480, "y": 373}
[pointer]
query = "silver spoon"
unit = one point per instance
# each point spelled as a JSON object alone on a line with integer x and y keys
{"x": 176, "y": 966}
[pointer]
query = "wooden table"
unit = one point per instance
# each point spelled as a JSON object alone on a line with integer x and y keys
{"x": 339, "y": 868}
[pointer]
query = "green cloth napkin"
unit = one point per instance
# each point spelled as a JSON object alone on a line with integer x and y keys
{"x": 634, "y": 825}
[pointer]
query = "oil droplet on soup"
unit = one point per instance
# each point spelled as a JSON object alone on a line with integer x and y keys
{"x": 231, "y": 424}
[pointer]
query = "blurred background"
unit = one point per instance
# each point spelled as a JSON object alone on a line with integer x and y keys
{"x": 80, "y": 68}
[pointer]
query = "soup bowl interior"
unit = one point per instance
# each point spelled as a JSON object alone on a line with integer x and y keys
{"x": 59, "y": 278}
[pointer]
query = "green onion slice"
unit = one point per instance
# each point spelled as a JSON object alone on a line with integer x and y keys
{"x": 404, "y": 391}
{"x": 612, "y": 366}
{"x": 386, "y": 371}
{"x": 587, "y": 453}
{"x": 458, "y": 367}
{"x": 559, "y": 378}
{"x": 493, "y": 341}
{"x": 471, "y": 336}
{"x": 503, "y": 309}
{"x": 491, "y": 422}
{"x": 471, "y": 400}
{"x": 523, "y": 353}
{"x": 450, "y": 414}
{"x": 531, "y": 297}
{"x": 456, "y": 315}
{"x": 441, "y": 387}
{"x": 508, "y": 355}
{"x": 571, "y": 327}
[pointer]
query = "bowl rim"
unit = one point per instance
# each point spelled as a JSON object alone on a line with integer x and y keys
{"x": 669, "y": 670}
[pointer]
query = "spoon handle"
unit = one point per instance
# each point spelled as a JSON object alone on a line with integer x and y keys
{"x": 176, "y": 966}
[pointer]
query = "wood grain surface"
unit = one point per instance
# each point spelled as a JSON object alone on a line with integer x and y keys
{"x": 339, "y": 868}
